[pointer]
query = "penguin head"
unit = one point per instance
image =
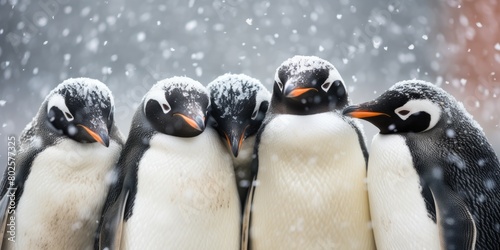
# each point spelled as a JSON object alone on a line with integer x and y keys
{"x": 81, "y": 109}
{"x": 239, "y": 105}
{"x": 177, "y": 106}
{"x": 308, "y": 85}
{"x": 408, "y": 106}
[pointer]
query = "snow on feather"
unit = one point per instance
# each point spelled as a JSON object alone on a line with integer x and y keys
{"x": 92, "y": 91}
{"x": 296, "y": 65}
{"x": 230, "y": 91}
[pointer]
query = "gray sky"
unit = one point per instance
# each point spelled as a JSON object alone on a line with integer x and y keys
{"x": 129, "y": 45}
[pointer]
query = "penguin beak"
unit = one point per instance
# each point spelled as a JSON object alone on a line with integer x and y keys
{"x": 99, "y": 134}
{"x": 291, "y": 91}
{"x": 361, "y": 113}
{"x": 235, "y": 140}
{"x": 197, "y": 123}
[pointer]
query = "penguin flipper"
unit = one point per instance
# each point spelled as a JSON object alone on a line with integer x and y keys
{"x": 457, "y": 229}
{"x": 111, "y": 232}
{"x": 245, "y": 229}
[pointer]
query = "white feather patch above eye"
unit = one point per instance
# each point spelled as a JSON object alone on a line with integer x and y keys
{"x": 262, "y": 96}
{"x": 256, "y": 110}
{"x": 277, "y": 80}
{"x": 333, "y": 76}
{"x": 254, "y": 114}
{"x": 415, "y": 106}
{"x": 157, "y": 94}
{"x": 58, "y": 101}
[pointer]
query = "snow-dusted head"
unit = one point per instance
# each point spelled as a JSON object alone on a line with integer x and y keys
{"x": 239, "y": 105}
{"x": 408, "y": 106}
{"x": 82, "y": 109}
{"x": 177, "y": 106}
{"x": 308, "y": 85}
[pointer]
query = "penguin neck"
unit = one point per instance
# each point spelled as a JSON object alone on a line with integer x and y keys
{"x": 458, "y": 143}
{"x": 43, "y": 122}
{"x": 283, "y": 105}
{"x": 282, "y": 108}
{"x": 141, "y": 126}
{"x": 460, "y": 156}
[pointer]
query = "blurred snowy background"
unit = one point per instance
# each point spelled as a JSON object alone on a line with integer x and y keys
{"x": 129, "y": 45}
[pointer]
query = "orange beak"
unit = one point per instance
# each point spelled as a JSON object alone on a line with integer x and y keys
{"x": 299, "y": 91}
{"x": 365, "y": 114}
{"x": 102, "y": 138}
{"x": 197, "y": 123}
{"x": 235, "y": 141}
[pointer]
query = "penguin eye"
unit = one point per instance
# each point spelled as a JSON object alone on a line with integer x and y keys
{"x": 280, "y": 85}
{"x": 326, "y": 86}
{"x": 277, "y": 80}
{"x": 403, "y": 112}
{"x": 68, "y": 116}
{"x": 166, "y": 107}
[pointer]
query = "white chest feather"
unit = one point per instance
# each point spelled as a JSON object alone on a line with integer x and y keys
{"x": 398, "y": 211}
{"x": 186, "y": 196}
{"x": 311, "y": 189}
{"x": 63, "y": 196}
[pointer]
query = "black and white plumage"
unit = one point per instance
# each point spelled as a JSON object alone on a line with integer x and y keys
{"x": 309, "y": 191}
{"x": 175, "y": 183}
{"x": 62, "y": 163}
{"x": 239, "y": 105}
{"x": 433, "y": 178}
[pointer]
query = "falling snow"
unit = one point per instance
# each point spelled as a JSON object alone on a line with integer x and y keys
{"x": 141, "y": 36}
{"x": 191, "y": 25}
{"x": 130, "y": 46}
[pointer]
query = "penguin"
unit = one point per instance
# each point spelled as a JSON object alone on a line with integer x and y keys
{"x": 54, "y": 191}
{"x": 309, "y": 191}
{"x": 239, "y": 105}
{"x": 175, "y": 182}
{"x": 433, "y": 177}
